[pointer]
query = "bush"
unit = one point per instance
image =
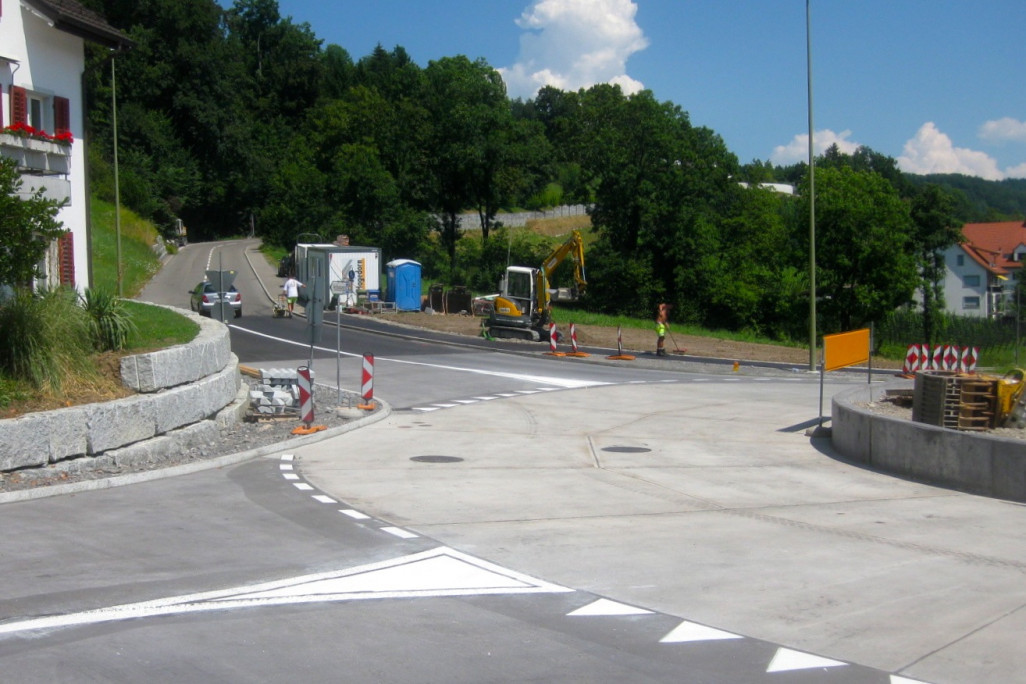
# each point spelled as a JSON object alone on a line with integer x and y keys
{"x": 44, "y": 337}
{"x": 110, "y": 323}
{"x": 902, "y": 328}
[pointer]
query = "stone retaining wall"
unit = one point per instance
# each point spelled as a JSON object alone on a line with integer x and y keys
{"x": 187, "y": 394}
{"x": 967, "y": 461}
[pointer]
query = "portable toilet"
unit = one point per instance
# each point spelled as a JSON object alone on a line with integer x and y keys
{"x": 403, "y": 279}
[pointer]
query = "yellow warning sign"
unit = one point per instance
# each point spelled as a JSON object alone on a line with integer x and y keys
{"x": 845, "y": 349}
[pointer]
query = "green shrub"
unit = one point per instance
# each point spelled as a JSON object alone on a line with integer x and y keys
{"x": 10, "y": 391}
{"x": 110, "y": 322}
{"x": 44, "y": 337}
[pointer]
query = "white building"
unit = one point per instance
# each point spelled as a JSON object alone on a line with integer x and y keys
{"x": 981, "y": 273}
{"x": 42, "y": 57}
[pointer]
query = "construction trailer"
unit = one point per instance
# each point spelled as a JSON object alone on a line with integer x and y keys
{"x": 341, "y": 275}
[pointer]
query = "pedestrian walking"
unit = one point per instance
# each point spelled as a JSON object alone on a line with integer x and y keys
{"x": 291, "y": 289}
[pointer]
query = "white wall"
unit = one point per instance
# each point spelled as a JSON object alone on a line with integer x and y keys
{"x": 955, "y": 289}
{"x": 50, "y": 62}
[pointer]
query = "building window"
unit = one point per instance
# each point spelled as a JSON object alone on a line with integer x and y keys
{"x": 971, "y": 281}
{"x": 960, "y": 260}
{"x": 970, "y": 303}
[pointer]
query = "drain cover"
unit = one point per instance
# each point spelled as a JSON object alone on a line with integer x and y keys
{"x": 436, "y": 459}
{"x": 627, "y": 450}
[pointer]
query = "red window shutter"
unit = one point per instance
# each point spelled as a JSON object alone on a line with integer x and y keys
{"x": 19, "y": 105}
{"x": 61, "y": 115}
{"x": 66, "y": 257}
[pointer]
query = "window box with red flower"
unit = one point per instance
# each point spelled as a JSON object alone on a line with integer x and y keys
{"x": 35, "y": 150}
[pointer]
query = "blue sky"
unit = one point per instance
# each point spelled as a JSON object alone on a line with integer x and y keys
{"x": 939, "y": 85}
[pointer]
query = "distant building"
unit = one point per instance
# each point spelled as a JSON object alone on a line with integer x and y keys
{"x": 782, "y": 188}
{"x": 981, "y": 273}
{"x": 42, "y": 57}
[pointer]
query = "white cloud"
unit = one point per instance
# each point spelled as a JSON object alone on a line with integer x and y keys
{"x": 798, "y": 149}
{"x": 1016, "y": 171}
{"x": 1002, "y": 130}
{"x": 932, "y": 151}
{"x": 572, "y": 44}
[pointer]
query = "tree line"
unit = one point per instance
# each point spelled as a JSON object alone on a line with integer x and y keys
{"x": 240, "y": 119}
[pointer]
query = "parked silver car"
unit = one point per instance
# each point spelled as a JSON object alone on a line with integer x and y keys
{"x": 205, "y": 297}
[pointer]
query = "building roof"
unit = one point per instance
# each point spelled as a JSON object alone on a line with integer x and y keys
{"x": 71, "y": 17}
{"x": 993, "y": 245}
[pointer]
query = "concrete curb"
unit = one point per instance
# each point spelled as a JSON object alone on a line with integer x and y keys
{"x": 196, "y": 466}
{"x": 965, "y": 461}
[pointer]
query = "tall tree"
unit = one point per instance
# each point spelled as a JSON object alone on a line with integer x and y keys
{"x": 865, "y": 262}
{"x": 935, "y": 228}
{"x": 467, "y": 106}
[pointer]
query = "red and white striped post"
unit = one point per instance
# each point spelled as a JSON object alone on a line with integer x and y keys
{"x": 573, "y": 343}
{"x": 553, "y": 335}
{"x": 619, "y": 355}
{"x": 367, "y": 384}
{"x": 306, "y": 407}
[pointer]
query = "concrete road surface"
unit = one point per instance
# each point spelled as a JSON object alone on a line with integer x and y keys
{"x": 706, "y": 501}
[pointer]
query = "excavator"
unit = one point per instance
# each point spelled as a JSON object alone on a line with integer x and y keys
{"x": 522, "y": 310}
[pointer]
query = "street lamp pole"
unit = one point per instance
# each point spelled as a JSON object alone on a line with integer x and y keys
{"x": 117, "y": 187}
{"x": 812, "y": 200}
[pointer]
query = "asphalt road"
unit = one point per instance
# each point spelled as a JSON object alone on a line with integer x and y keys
{"x": 515, "y": 519}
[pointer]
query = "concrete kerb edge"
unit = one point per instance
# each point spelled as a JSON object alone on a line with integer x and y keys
{"x": 981, "y": 464}
{"x": 380, "y": 414}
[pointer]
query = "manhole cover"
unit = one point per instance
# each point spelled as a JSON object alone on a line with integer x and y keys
{"x": 626, "y": 450}
{"x": 436, "y": 459}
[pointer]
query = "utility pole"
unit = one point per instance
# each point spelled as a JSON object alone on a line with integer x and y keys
{"x": 812, "y": 199}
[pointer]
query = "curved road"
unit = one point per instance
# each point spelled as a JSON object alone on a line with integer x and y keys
{"x": 516, "y": 518}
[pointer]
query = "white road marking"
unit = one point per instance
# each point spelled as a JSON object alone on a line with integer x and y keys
{"x": 566, "y": 383}
{"x": 692, "y": 631}
{"x": 354, "y": 514}
{"x": 302, "y": 486}
{"x": 285, "y": 466}
{"x": 787, "y": 660}
{"x": 425, "y": 409}
{"x": 324, "y": 499}
{"x": 436, "y": 573}
{"x": 399, "y": 532}
{"x": 605, "y": 607}
{"x": 287, "y": 457}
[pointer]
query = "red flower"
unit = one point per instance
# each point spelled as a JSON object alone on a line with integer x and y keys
{"x": 25, "y": 130}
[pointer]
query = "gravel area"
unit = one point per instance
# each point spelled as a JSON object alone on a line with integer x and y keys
{"x": 887, "y": 407}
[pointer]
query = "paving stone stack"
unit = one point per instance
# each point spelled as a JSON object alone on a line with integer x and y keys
{"x": 278, "y": 392}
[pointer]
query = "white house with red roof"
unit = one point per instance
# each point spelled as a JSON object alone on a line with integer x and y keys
{"x": 982, "y": 272}
{"x": 42, "y": 57}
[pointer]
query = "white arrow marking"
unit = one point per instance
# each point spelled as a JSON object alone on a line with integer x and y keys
{"x": 436, "y": 573}
{"x": 692, "y": 631}
{"x": 786, "y": 660}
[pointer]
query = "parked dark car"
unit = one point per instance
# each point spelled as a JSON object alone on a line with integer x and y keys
{"x": 205, "y": 297}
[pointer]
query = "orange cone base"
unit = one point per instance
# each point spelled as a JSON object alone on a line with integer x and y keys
{"x": 308, "y": 429}
{"x": 579, "y": 355}
{"x": 365, "y": 407}
{"x": 554, "y": 354}
{"x": 621, "y": 357}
